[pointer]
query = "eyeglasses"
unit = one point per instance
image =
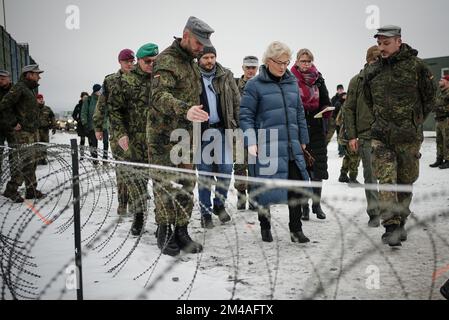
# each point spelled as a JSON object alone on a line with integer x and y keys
{"x": 281, "y": 63}
{"x": 148, "y": 61}
{"x": 305, "y": 61}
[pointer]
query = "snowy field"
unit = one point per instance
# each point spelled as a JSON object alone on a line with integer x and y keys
{"x": 344, "y": 260}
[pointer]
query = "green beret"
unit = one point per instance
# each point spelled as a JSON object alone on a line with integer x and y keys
{"x": 147, "y": 50}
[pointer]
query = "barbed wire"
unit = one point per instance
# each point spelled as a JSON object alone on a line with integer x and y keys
{"x": 25, "y": 227}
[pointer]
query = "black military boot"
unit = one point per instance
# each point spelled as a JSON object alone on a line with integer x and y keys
{"x": 13, "y": 195}
{"x": 444, "y": 165}
{"x": 222, "y": 214}
{"x": 437, "y": 163}
{"x": 241, "y": 200}
{"x": 298, "y": 236}
{"x": 445, "y": 290}
{"x": 392, "y": 235}
{"x": 185, "y": 242}
{"x": 374, "y": 221}
{"x": 206, "y": 221}
{"x": 166, "y": 240}
{"x": 305, "y": 212}
{"x": 353, "y": 180}
{"x": 316, "y": 207}
{"x": 34, "y": 194}
{"x": 265, "y": 227}
{"x": 343, "y": 177}
{"x": 137, "y": 226}
{"x": 403, "y": 236}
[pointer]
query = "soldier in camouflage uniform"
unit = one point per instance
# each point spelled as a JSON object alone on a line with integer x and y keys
{"x": 250, "y": 65}
{"x": 129, "y": 103}
{"x": 112, "y": 83}
{"x": 357, "y": 119}
{"x": 6, "y": 131}
{"x": 175, "y": 105}
{"x": 351, "y": 159}
{"x": 20, "y": 102}
{"x": 442, "y": 124}
{"x": 47, "y": 121}
{"x": 400, "y": 93}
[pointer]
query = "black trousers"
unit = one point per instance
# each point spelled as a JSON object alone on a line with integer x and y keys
{"x": 296, "y": 198}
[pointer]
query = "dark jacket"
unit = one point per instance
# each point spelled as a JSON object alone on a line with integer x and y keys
{"x": 87, "y": 112}
{"x": 228, "y": 98}
{"x": 6, "y": 115}
{"x": 267, "y": 104}
{"x": 21, "y": 104}
{"x": 317, "y": 135}
{"x": 76, "y": 115}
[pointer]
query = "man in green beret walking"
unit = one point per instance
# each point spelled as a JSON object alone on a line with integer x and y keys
{"x": 112, "y": 82}
{"x": 129, "y": 102}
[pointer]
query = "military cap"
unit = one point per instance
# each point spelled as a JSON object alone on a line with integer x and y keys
{"x": 388, "y": 31}
{"x": 200, "y": 30}
{"x": 250, "y": 61}
{"x": 4, "y": 73}
{"x": 31, "y": 68}
{"x": 147, "y": 50}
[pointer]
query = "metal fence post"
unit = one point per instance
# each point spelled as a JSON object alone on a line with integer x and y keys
{"x": 77, "y": 218}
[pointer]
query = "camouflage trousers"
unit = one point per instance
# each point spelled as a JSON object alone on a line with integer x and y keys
{"x": 120, "y": 173}
{"x": 241, "y": 169}
{"x": 7, "y": 137}
{"x": 137, "y": 178}
{"x": 395, "y": 164}
{"x": 442, "y": 131}
{"x": 25, "y": 166}
{"x": 369, "y": 178}
{"x": 173, "y": 196}
{"x": 44, "y": 136}
{"x": 351, "y": 162}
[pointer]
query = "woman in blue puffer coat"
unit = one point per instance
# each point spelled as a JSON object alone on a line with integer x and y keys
{"x": 271, "y": 104}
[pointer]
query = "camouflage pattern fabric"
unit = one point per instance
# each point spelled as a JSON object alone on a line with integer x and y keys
{"x": 176, "y": 88}
{"x": 442, "y": 123}
{"x": 395, "y": 164}
{"x": 129, "y": 103}
{"x": 400, "y": 93}
{"x": 26, "y": 161}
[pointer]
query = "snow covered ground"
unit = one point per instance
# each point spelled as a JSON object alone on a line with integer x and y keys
{"x": 344, "y": 260}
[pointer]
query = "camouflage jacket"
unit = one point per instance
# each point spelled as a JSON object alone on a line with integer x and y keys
{"x": 240, "y": 84}
{"x": 46, "y": 118}
{"x": 442, "y": 105}
{"x": 176, "y": 88}
{"x": 357, "y": 116}
{"x": 129, "y": 103}
{"x": 400, "y": 93}
{"x": 21, "y": 105}
{"x": 101, "y": 115}
{"x": 5, "y": 115}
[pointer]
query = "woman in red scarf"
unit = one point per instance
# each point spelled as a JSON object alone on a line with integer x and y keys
{"x": 315, "y": 98}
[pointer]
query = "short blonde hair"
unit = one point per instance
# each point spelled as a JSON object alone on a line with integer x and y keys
{"x": 275, "y": 50}
{"x": 306, "y": 52}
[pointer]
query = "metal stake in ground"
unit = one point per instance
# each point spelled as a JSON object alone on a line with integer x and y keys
{"x": 77, "y": 218}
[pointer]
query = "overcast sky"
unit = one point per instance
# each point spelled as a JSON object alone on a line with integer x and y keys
{"x": 335, "y": 31}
